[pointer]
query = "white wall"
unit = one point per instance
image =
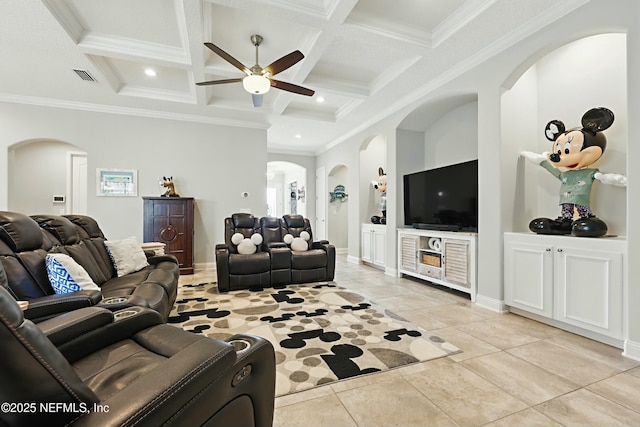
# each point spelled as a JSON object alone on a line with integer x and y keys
{"x": 214, "y": 164}
{"x": 520, "y": 132}
{"x": 453, "y": 138}
{"x": 410, "y": 148}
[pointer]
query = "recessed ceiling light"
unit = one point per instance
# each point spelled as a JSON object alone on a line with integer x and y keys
{"x": 298, "y": 136}
{"x": 320, "y": 99}
{"x": 150, "y": 72}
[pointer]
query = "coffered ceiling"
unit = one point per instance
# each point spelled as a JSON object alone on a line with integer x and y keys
{"x": 363, "y": 58}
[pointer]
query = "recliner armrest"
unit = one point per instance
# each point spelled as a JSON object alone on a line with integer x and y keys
{"x": 125, "y": 324}
{"x": 62, "y": 329}
{"x": 331, "y": 256}
{"x": 276, "y": 245}
{"x": 157, "y": 259}
{"x": 52, "y": 305}
{"x": 222, "y": 266}
{"x": 321, "y": 244}
{"x": 198, "y": 373}
{"x": 149, "y": 253}
{"x": 121, "y": 302}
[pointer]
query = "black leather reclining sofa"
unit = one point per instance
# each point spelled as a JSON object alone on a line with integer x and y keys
{"x": 95, "y": 367}
{"x": 25, "y": 242}
{"x": 273, "y": 263}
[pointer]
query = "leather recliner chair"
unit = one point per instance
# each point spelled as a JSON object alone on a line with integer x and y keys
{"x": 318, "y": 263}
{"x": 94, "y": 367}
{"x": 241, "y": 271}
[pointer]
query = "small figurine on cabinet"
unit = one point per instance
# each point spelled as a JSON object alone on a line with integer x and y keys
{"x": 381, "y": 186}
{"x": 574, "y": 151}
{"x": 170, "y": 187}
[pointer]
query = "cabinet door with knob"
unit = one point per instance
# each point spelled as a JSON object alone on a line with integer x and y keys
{"x": 528, "y": 276}
{"x": 373, "y": 243}
{"x": 169, "y": 220}
{"x": 574, "y": 280}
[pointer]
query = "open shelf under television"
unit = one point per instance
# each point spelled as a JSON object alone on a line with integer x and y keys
{"x": 441, "y": 257}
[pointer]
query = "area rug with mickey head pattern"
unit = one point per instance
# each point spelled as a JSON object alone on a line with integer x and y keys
{"x": 321, "y": 332}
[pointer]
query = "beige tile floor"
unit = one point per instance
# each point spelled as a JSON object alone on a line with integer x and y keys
{"x": 512, "y": 371}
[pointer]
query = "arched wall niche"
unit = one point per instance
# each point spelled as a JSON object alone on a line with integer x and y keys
{"x": 338, "y": 210}
{"x": 559, "y": 84}
{"x": 38, "y": 169}
{"x": 373, "y": 155}
{"x": 439, "y": 132}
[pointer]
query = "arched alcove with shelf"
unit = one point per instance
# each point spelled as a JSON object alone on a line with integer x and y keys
{"x": 562, "y": 85}
{"x": 440, "y": 132}
{"x": 338, "y": 208}
{"x": 576, "y": 283}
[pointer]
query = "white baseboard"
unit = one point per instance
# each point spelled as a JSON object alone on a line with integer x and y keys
{"x": 342, "y": 251}
{"x": 491, "y": 304}
{"x": 391, "y": 272}
{"x": 204, "y": 266}
{"x": 353, "y": 259}
{"x": 631, "y": 350}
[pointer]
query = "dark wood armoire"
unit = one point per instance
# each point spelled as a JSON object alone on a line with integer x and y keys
{"x": 170, "y": 220}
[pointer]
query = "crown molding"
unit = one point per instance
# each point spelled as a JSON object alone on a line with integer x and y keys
{"x": 128, "y": 111}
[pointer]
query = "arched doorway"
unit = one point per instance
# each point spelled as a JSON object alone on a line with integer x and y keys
{"x": 286, "y": 189}
{"x": 47, "y": 176}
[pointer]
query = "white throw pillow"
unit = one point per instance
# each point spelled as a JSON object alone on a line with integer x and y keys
{"x": 246, "y": 245}
{"x": 66, "y": 275}
{"x": 298, "y": 244}
{"x": 127, "y": 255}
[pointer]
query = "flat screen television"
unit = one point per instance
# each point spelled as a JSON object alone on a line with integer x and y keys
{"x": 444, "y": 198}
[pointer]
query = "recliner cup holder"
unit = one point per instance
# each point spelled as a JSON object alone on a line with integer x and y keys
{"x": 124, "y": 313}
{"x": 240, "y": 345}
{"x": 115, "y": 300}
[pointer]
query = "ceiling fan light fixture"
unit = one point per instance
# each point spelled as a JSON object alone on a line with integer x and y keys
{"x": 256, "y": 84}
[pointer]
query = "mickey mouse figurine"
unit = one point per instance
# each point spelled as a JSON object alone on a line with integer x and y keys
{"x": 381, "y": 186}
{"x": 574, "y": 150}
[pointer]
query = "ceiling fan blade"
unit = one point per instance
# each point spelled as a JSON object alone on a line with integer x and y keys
{"x": 290, "y": 87}
{"x": 230, "y": 59}
{"x": 283, "y": 63}
{"x": 257, "y": 99}
{"x": 219, "y": 82}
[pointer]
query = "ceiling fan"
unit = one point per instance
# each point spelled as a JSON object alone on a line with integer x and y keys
{"x": 258, "y": 80}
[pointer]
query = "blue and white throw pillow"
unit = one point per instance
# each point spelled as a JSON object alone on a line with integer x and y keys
{"x": 127, "y": 255}
{"x": 66, "y": 275}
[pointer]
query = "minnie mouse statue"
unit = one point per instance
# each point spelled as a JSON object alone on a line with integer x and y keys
{"x": 574, "y": 150}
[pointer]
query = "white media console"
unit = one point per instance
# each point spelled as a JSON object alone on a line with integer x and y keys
{"x": 441, "y": 257}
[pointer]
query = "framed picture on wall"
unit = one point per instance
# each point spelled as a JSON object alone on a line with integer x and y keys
{"x": 117, "y": 182}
